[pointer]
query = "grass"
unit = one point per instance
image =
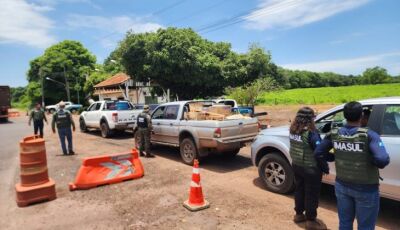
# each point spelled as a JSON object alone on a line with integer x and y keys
{"x": 329, "y": 95}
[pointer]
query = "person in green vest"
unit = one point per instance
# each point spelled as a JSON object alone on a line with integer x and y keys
{"x": 63, "y": 119}
{"x": 304, "y": 138}
{"x": 359, "y": 153}
{"x": 38, "y": 116}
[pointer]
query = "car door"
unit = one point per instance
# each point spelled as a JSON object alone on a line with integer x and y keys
{"x": 93, "y": 114}
{"x": 390, "y": 135}
{"x": 324, "y": 125}
{"x": 170, "y": 125}
{"x": 156, "y": 119}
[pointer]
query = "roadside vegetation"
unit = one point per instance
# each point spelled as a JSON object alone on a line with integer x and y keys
{"x": 329, "y": 95}
{"x": 187, "y": 64}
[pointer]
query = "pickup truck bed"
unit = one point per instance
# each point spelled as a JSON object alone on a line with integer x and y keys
{"x": 198, "y": 138}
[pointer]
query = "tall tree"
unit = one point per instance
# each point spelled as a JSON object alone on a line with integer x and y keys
{"x": 375, "y": 75}
{"x": 65, "y": 63}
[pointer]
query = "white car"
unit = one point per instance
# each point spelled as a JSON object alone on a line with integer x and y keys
{"x": 109, "y": 116}
{"x": 270, "y": 150}
{"x": 53, "y": 108}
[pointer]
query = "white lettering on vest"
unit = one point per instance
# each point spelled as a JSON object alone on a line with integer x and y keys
{"x": 348, "y": 146}
{"x": 295, "y": 137}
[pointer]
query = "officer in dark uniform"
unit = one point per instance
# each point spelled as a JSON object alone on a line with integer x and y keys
{"x": 358, "y": 154}
{"x": 38, "y": 116}
{"x": 308, "y": 175}
{"x": 144, "y": 130}
{"x": 64, "y": 121}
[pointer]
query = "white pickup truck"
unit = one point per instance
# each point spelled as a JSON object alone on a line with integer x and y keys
{"x": 198, "y": 138}
{"x": 109, "y": 116}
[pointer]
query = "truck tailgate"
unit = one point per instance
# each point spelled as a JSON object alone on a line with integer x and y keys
{"x": 238, "y": 129}
{"x": 128, "y": 116}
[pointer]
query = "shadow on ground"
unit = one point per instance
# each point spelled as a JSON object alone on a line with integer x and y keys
{"x": 118, "y": 135}
{"x": 388, "y": 214}
{"x": 213, "y": 162}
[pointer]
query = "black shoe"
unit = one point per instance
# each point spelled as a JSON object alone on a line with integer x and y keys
{"x": 149, "y": 155}
{"x": 142, "y": 154}
{"x": 71, "y": 152}
{"x": 298, "y": 218}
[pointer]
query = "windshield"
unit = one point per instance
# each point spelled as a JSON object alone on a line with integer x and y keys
{"x": 118, "y": 105}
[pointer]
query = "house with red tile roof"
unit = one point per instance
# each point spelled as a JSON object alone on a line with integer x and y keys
{"x": 122, "y": 87}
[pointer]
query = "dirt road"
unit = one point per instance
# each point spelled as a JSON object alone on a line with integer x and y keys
{"x": 238, "y": 199}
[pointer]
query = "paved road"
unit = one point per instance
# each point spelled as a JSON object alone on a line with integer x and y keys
{"x": 10, "y": 134}
{"x": 238, "y": 198}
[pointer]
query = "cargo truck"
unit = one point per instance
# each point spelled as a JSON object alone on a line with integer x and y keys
{"x": 5, "y": 102}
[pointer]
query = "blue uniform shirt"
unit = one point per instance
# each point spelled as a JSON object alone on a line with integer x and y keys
{"x": 376, "y": 147}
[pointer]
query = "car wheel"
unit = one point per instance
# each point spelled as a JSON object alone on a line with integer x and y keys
{"x": 73, "y": 111}
{"x": 52, "y": 110}
{"x": 82, "y": 125}
{"x": 188, "y": 151}
{"x": 105, "y": 130}
{"x": 277, "y": 173}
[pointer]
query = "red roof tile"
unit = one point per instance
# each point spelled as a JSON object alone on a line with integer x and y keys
{"x": 117, "y": 79}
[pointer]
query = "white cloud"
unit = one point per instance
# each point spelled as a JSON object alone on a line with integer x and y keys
{"x": 295, "y": 13}
{"x": 24, "y": 23}
{"x": 390, "y": 61}
{"x": 120, "y": 24}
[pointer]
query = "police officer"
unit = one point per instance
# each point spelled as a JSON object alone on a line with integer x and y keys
{"x": 38, "y": 116}
{"x": 144, "y": 130}
{"x": 308, "y": 175}
{"x": 358, "y": 154}
{"x": 64, "y": 121}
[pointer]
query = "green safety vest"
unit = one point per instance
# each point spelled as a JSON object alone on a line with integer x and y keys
{"x": 301, "y": 151}
{"x": 63, "y": 119}
{"x": 37, "y": 115}
{"x": 353, "y": 160}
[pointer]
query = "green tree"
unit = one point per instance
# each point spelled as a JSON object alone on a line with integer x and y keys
{"x": 66, "y": 62}
{"x": 375, "y": 75}
{"x": 94, "y": 78}
{"x": 249, "y": 94}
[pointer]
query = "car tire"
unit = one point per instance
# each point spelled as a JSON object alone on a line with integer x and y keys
{"x": 276, "y": 173}
{"x": 188, "y": 151}
{"x": 82, "y": 125}
{"x": 105, "y": 130}
{"x": 52, "y": 111}
{"x": 73, "y": 111}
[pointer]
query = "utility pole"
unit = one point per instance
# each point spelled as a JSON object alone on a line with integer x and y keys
{"x": 42, "y": 78}
{"x": 78, "y": 89}
{"x": 66, "y": 84}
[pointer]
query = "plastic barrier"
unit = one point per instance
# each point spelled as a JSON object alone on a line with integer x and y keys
{"x": 35, "y": 183}
{"x": 108, "y": 169}
{"x": 196, "y": 199}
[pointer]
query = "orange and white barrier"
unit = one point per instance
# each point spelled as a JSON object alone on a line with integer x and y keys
{"x": 196, "y": 199}
{"x": 108, "y": 169}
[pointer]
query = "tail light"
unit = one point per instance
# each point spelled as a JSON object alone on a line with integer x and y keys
{"x": 217, "y": 133}
{"x": 115, "y": 117}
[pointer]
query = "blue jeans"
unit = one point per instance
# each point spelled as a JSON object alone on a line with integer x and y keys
{"x": 351, "y": 203}
{"x": 62, "y": 133}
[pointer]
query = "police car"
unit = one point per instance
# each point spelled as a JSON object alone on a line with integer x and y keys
{"x": 270, "y": 150}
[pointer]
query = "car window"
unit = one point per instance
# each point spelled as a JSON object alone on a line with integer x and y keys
{"x": 95, "y": 107}
{"x": 391, "y": 121}
{"x": 90, "y": 107}
{"x": 159, "y": 113}
{"x": 171, "y": 112}
{"x": 333, "y": 120}
{"x": 118, "y": 105}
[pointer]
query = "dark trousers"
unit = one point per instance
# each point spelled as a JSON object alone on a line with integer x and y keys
{"x": 308, "y": 186}
{"x": 65, "y": 133}
{"x": 38, "y": 126}
{"x": 144, "y": 136}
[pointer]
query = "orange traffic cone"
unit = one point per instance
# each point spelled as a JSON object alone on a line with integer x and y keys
{"x": 196, "y": 200}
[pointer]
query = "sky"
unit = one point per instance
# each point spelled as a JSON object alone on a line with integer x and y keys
{"x": 343, "y": 36}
